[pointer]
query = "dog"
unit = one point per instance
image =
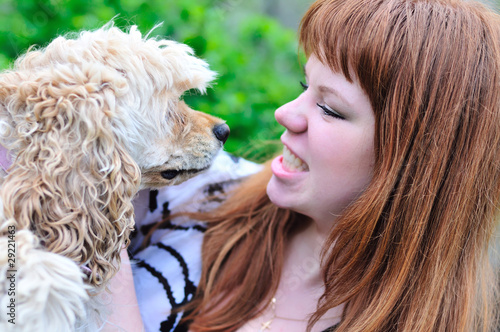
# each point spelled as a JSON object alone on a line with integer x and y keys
{"x": 88, "y": 121}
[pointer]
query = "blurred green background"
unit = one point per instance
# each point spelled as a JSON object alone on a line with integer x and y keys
{"x": 251, "y": 44}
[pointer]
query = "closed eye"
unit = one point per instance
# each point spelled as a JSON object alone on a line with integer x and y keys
{"x": 304, "y": 85}
{"x": 328, "y": 111}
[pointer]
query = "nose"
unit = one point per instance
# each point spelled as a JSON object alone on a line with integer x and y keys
{"x": 221, "y": 131}
{"x": 291, "y": 117}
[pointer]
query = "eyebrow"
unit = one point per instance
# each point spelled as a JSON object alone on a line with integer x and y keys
{"x": 326, "y": 89}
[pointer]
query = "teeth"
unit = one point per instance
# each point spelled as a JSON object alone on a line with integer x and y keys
{"x": 292, "y": 162}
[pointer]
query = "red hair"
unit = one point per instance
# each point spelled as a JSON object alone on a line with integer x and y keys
{"x": 411, "y": 254}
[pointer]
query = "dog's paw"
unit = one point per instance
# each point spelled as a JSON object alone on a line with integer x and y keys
{"x": 42, "y": 291}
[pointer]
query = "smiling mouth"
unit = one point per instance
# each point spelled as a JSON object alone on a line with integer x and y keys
{"x": 293, "y": 163}
{"x": 170, "y": 174}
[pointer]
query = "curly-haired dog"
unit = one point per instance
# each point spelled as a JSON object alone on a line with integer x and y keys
{"x": 88, "y": 121}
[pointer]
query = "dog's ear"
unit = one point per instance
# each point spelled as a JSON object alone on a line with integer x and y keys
{"x": 8, "y": 90}
{"x": 71, "y": 181}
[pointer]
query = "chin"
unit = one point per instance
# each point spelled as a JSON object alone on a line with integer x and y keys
{"x": 277, "y": 195}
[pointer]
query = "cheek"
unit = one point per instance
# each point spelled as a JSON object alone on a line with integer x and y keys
{"x": 347, "y": 162}
{"x": 361, "y": 169}
{"x": 338, "y": 155}
{"x": 341, "y": 184}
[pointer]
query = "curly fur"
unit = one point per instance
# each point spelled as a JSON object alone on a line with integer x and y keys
{"x": 83, "y": 119}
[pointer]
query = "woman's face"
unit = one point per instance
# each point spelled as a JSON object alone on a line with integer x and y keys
{"x": 328, "y": 153}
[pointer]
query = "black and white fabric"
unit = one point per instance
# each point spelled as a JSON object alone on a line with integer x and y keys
{"x": 167, "y": 271}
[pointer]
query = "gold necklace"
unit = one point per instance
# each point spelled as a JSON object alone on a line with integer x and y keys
{"x": 267, "y": 324}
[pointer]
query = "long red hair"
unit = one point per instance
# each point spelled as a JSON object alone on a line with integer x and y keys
{"x": 411, "y": 254}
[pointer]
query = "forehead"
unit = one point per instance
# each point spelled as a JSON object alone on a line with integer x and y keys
{"x": 320, "y": 69}
{"x": 327, "y": 81}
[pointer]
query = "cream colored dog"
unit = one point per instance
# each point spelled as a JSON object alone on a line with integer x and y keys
{"x": 88, "y": 121}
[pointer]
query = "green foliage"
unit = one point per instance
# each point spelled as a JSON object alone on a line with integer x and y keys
{"x": 255, "y": 56}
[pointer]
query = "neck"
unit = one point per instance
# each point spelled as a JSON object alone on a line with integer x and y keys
{"x": 324, "y": 225}
{"x": 312, "y": 234}
{"x": 301, "y": 283}
{"x": 303, "y": 255}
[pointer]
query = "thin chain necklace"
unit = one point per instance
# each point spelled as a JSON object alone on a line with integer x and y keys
{"x": 267, "y": 324}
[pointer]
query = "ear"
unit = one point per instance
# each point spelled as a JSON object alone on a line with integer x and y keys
{"x": 71, "y": 182}
{"x": 9, "y": 91}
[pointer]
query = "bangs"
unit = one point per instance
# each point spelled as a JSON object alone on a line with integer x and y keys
{"x": 359, "y": 31}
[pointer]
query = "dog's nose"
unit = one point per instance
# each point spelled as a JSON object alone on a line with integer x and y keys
{"x": 221, "y": 131}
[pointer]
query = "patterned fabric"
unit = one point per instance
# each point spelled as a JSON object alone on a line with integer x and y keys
{"x": 167, "y": 271}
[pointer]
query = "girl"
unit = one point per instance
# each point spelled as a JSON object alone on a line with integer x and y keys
{"x": 379, "y": 214}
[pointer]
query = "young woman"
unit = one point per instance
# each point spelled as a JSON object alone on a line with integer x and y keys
{"x": 380, "y": 212}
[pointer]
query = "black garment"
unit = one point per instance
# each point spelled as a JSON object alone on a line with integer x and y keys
{"x": 332, "y": 328}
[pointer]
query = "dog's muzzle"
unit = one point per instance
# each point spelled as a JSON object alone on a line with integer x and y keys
{"x": 221, "y": 132}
